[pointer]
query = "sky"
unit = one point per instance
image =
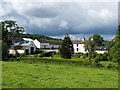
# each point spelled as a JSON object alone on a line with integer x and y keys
{"x": 55, "y": 18}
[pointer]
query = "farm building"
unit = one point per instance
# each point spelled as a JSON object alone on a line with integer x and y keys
{"x": 23, "y": 47}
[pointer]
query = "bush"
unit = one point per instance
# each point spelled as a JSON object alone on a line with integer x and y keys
{"x": 111, "y": 66}
{"x": 38, "y": 51}
{"x": 11, "y": 57}
{"x": 95, "y": 62}
{"x": 85, "y": 55}
{"x": 77, "y": 55}
{"x": 103, "y": 58}
{"x": 47, "y": 54}
{"x": 93, "y": 55}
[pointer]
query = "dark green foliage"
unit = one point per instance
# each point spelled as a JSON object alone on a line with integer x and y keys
{"x": 10, "y": 30}
{"x": 104, "y": 57}
{"x": 93, "y": 55}
{"x": 4, "y": 47}
{"x": 96, "y": 61}
{"x": 77, "y": 55}
{"x": 91, "y": 43}
{"x": 111, "y": 66}
{"x": 38, "y": 51}
{"x": 66, "y": 49}
{"x": 98, "y": 40}
{"x": 47, "y": 54}
{"x": 115, "y": 49}
{"x": 89, "y": 46}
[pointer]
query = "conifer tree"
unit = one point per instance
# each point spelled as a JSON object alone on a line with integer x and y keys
{"x": 66, "y": 49}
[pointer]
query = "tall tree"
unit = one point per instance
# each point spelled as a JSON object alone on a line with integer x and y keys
{"x": 115, "y": 49}
{"x": 10, "y": 29}
{"x": 98, "y": 40}
{"x": 92, "y": 42}
{"x": 66, "y": 49}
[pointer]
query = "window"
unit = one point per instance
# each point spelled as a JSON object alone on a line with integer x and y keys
{"x": 77, "y": 49}
{"x": 77, "y": 45}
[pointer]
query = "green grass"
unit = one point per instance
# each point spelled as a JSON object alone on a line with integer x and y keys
{"x": 52, "y": 75}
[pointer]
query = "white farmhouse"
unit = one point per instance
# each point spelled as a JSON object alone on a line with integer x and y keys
{"x": 23, "y": 47}
{"x": 78, "y": 46}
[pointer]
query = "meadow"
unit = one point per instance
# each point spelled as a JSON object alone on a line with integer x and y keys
{"x": 52, "y": 75}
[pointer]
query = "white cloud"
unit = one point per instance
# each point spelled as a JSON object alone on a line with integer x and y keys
{"x": 56, "y": 17}
{"x": 40, "y": 22}
{"x": 63, "y": 24}
{"x": 103, "y": 16}
{"x": 5, "y": 9}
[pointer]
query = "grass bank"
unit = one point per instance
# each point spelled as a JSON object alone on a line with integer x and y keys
{"x": 51, "y": 75}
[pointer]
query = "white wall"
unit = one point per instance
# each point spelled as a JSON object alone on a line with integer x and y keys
{"x": 21, "y": 51}
{"x": 44, "y": 45}
{"x": 101, "y": 52}
{"x": 80, "y": 47}
{"x": 12, "y": 52}
{"x": 37, "y": 43}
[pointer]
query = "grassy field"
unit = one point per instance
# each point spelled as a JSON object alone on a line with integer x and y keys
{"x": 51, "y": 75}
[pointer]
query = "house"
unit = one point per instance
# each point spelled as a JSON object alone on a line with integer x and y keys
{"x": 101, "y": 49}
{"x": 44, "y": 44}
{"x": 36, "y": 42}
{"x": 23, "y": 47}
{"x": 78, "y": 46}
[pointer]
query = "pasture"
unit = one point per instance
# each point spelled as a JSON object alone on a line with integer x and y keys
{"x": 51, "y": 75}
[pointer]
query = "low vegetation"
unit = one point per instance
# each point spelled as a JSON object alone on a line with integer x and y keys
{"x": 51, "y": 75}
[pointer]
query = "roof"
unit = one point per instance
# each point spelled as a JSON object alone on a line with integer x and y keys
{"x": 22, "y": 43}
{"x": 77, "y": 42}
{"x": 27, "y": 39}
{"x": 51, "y": 42}
{"x": 19, "y": 47}
{"x": 102, "y": 48}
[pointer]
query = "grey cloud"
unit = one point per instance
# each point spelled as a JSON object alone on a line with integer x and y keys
{"x": 42, "y": 12}
{"x": 75, "y": 16}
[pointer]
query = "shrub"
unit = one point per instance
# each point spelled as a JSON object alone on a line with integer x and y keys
{"x": 93, "y": 55}
{"x": 47, "y": 54}
{"x": 95, "y": 61}
{"x": 85, "y": 55}
{"x": 111, "y": 66}
{"x": 103, "y": 58}
{"x": 77, "y": 55}
{"x": 38, "y": 51}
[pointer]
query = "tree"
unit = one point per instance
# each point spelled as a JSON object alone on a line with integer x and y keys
{"x": 91, "y": 43}
{"x": 10, "y": 29}
{"x": 115, "y": 49}
{"x": 4, "y": 48}
{"x": 98, "y": 40}
{"x": 66, "y": 49}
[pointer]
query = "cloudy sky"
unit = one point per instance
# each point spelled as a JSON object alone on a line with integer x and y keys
{"x": 56, "y": 18}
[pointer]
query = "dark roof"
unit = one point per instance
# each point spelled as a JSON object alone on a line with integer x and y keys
{"x": 19, "y": 47}
{"x": 77, "y": 42}
{"x": 102, "y": 48}
{"x": 51, "y": 42}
